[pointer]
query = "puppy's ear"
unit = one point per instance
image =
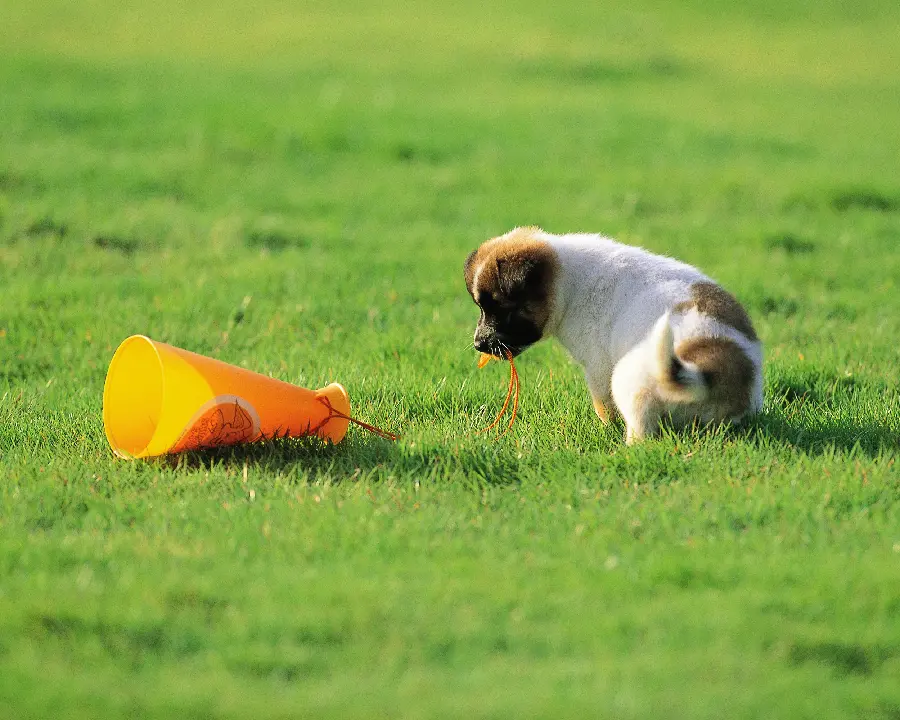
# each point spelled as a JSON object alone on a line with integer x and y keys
{"x": 522, "y": 277}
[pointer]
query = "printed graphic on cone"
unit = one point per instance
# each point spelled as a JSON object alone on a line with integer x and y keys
{"x": 161, "y": 399}
{"x": 224, "y": 420}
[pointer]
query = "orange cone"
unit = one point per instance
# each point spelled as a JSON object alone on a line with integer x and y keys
{"x": 161, "y": 399}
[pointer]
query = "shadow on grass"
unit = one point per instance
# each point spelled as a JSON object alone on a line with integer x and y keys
{"x": 499, "y": 465}
{"x": 843, "y": 658}
{"x": 597, "y": 71}
{"x": 810, "y": 414}
{"x": 814, "y": 412}
{"x": 871, "y": 439}
{"x": 354, "y": 459}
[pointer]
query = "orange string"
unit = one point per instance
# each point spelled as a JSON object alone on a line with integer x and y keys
{"x": 512, "y": 392}
{"x": 332, "y": 413}
{"x": 515, "y": 408}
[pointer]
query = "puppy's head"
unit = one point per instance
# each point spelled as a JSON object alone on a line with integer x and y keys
{"x": 511, "y": 279}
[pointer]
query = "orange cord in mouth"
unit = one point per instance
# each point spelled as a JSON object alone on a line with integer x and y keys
{"x": 512, "y": 392}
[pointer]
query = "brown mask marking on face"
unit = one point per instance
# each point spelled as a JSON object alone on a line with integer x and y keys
{"x": 515, "y": 274}
{"x": 710, "y": 299}
{"x": 519, "y": 271}
{"x": 727, "y": 369}
{"x": 471, "y": 264}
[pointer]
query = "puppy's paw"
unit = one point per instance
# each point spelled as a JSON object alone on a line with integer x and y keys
{"x": 633, "y": 435}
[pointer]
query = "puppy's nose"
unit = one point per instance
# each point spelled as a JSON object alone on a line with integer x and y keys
{"x": 482, "y": 344}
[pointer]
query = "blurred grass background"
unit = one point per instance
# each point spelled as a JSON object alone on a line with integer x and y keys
{"x": 293, "y": 187}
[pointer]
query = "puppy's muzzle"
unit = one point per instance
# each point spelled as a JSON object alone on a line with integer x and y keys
{"x": 487, "y": 346}
{"x": 487, "y": 340}
{"x": 486, "y": 343}
{"x": 492, "y": 343}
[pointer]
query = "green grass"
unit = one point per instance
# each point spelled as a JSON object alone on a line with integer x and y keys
{"x": 294, "y": 189}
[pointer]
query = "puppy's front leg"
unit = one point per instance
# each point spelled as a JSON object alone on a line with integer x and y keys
{"x": 601, "y": 396}
{"x": 601, "y": 409}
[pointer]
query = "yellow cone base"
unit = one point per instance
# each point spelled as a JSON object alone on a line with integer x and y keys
{"x": 160, "y": 399}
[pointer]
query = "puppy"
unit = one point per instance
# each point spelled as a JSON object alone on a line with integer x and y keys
{"x": 656, "y": 337}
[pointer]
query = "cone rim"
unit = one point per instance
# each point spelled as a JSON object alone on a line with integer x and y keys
{"x": 111, "y": 372}
{"x": 336, "y": 428}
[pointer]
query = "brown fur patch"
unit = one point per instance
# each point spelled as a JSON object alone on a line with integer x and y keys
{"x": 519, "y": 240}
{"x": 472, "y": 263}
{"x": 710, "y": 299}
{"x": 503, "y": 264}
{"x": 729, "y": 372}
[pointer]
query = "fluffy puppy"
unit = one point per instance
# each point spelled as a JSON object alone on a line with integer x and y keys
{"x": 656, "y": 337}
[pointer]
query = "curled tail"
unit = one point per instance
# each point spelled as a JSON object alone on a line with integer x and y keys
{"x": 677, "y": 381}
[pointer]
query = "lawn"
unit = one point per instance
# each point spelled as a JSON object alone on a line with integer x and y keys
{"x": 293, "y": 188}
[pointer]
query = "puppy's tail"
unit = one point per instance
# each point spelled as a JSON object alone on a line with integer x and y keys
{"x": 677, "y": 381}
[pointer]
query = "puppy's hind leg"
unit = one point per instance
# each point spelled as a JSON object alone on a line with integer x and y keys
{"x": 643, "y": 417}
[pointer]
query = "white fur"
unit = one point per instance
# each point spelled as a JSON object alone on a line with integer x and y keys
{"x": 612, "y": 310}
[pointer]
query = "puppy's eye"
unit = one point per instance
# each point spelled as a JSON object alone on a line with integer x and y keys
{"x": 487, "y": 302}
{"x": 500, "y": 315}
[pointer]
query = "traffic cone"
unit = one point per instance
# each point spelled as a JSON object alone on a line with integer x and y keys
{"x": 161, "y": 399}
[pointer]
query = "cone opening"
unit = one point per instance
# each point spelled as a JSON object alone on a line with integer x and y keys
{"x": 133, "y": 396}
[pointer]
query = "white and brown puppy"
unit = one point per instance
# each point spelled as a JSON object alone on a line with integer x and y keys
{"x": 657, "y": 338}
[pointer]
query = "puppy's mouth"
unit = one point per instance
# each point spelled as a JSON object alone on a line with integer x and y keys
{"x": 500, "y": 349}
